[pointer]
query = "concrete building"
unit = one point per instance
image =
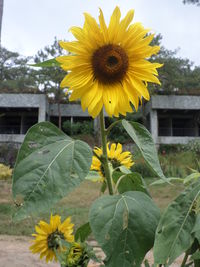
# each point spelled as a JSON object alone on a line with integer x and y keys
{"x": 173, "y": 119}
{"x": 18, "y": 112}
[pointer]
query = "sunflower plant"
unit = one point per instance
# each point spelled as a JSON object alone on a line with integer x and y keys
{"x": 108, "y": 68}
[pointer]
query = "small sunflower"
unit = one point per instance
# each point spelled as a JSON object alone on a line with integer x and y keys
{"x": 48, "y": 236}
{"x": 115, "y": 156}
{"x": 107, "y": 65}
{"x": 77, "y": 255}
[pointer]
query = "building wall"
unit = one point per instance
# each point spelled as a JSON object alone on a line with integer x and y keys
{"x": 177, "y": 109}
{"x": 22, "y": 105}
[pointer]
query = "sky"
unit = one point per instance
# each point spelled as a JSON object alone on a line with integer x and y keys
{"x": 29, "y": 25}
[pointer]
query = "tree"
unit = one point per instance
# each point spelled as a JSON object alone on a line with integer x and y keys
{"x": 194, "y": 2}
{"x": 15, "y": 74}
{"x": 48, "y": 79}
{"x": 177, "y": 74}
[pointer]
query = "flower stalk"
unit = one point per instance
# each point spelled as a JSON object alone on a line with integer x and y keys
{"x": 104, "y": 155}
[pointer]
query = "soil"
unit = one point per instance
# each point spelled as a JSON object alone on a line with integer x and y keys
{"x": 14, "y": 252}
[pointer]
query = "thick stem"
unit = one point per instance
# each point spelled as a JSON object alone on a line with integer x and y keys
{"x": 104, "y": 155}
{"x": 185, "y": 259}
{"x": 111, "y": 126}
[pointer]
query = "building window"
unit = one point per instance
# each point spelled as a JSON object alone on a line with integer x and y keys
{"x": 174, "y": 125}
{"x": 17, "y": 120}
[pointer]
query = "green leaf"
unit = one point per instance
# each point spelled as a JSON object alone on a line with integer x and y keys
{"x": 83, "y": 232}
{"x": 46, "y": 64}
{"x": 124, "y": 169}
{"x": 195, "y": 256}
{"x": 124, "y": 226}
{"x": 196, "y": 229}
{"x": 192, "y": 177}
{"x": 144, "y": 141}
{"x": 129, "y": 182}
{"x": 49, "y": 166}
{"x": 146, "y": 263}
{"x": 170, "y": 179}
{"x": 174, "y": 232}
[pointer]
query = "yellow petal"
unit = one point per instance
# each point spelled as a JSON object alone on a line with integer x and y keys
{"x": 114, "y": 24}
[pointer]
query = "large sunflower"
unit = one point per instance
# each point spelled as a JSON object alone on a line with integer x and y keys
{"x": 47, "y": 236}
{"x": 107, "y": 64}
{"x": 115, "y": 156}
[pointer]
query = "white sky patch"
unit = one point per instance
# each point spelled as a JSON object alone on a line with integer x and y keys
{"x": 29, "y": 25}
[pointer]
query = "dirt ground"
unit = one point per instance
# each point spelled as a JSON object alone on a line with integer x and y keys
{"x": 14, "y": 252}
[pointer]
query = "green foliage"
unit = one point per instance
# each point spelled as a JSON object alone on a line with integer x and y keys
{"x": 78, "y": 128}
{"x": 171, "y": 148}
{"x": 8, "y": 154}
{"x": 177, "y": 75}
{"x": 50, "y": 75}
{"x": 83, "y": 232}
{"x": 129, "y": 182}
{"x": 142, "y": 168}
{"x": 118, "y": 133}
{"x": 15, "y": 74}
{"x": 49, "y": 166}
{"x": 5, "y": 172}
{"x": 174, "y": 232}
{"x": 194, "y": 146}
{"x": 178, "y": 164}
{"x": 144, "y": 142}
{"x": 48, "y": 63}
{"x": 121, "y": 227}
{"x": 194, "y": 2}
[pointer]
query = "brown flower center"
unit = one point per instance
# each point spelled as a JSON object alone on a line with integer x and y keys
{"x": 53, "y": 239}
{"x": 110, "y": 63}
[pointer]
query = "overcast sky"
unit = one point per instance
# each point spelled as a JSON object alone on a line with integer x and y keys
{"x": 29, "y": 25}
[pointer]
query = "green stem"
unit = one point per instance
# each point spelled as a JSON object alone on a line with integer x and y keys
{"x": 104, "y": 155}
{"x": 118, "y": 182}
{"x": 185, "y": 259}
{"x": 111, "y": 126}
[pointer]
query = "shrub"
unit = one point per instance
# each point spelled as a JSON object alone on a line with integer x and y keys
{"x": 77, "y": 128}
{"x": 117, "y": 134}
{"x": 5, "y": 172}
{"x": 8, "y": 153}
{"x": 174, "y": 148}
{"x": 194, "y": 146}
{"x": 142, "y": 168}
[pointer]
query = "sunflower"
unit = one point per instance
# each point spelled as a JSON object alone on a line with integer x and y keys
{"x": 107, "y": 65}
{"x": 115, "y": 156}
{"x": 48, "y": 236}
{"x": 77, "y": 255}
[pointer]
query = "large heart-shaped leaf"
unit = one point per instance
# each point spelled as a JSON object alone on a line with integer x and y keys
{"x": 143, "y": 139}
{"x": 129, "y": 182}
{"x": 49, "y": 166}
{"x": 174, "y": 233}
{"x": 124, "y": 226}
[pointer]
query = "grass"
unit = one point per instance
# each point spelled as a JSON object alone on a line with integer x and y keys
{"x": 75, "y": 205}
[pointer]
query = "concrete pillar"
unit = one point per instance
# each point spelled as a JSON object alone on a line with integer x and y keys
{"x": 154, "y": 125}
{"x": 72, "y": 120}
{"x": 42, "y": 109}
{"x": 22, "y": 124}
{"x": 196, "y": 129}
